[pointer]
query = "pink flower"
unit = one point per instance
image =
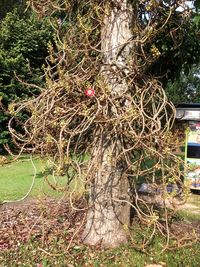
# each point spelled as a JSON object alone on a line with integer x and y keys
{"x": 89, "y": 92}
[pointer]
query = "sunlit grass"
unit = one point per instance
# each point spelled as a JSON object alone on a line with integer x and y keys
{"x": 16, "y": 179}
{"x": 191, "y": 210}
{"x": 124, "y": 256}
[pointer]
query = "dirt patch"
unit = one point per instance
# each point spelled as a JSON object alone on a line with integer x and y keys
{"x": 191, "y": 208}
{"x": 50, "y": 221}
{"x": 43, "y": 221}
{"x": 185, "y": 231}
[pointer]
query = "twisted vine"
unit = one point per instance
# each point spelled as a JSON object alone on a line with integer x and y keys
{"x": 67, "y": 124}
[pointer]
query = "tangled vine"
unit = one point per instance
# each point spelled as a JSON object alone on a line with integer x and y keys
{"x": 78, "y": 108}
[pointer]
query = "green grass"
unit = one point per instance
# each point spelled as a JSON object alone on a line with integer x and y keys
{"x": 16, "y": 179}
{"x": 191, "y": 210}
{"x": 82, "y": 256}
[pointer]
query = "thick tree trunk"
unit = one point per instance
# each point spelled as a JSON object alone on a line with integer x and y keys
{"x": 109, "y": 214}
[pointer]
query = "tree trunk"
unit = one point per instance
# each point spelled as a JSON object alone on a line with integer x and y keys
{"x": 109, "y": 214}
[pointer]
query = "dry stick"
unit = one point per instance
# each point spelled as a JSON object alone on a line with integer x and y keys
{"x": 70, "y": 242}
{"x": 76, "y": 232}
{"x": 34, "y": 224}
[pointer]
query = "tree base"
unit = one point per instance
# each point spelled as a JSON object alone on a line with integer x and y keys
{"x": 107, "y": 241}
{"x": 105, "y": 229}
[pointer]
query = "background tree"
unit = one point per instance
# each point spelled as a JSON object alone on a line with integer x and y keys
{"x": 102, "y": 116}
{"x": 186, "y": 88}
{"x": 178, "y": 67}
{"x": 23, "y": 49}
{"x": 178, "y": 45}
{"x": 9, "y": 5}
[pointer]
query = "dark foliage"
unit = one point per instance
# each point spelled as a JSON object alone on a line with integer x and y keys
{"x": 23, "y": 49}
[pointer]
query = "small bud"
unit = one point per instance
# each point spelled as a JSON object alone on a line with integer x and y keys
{"x": 89, "y": 92}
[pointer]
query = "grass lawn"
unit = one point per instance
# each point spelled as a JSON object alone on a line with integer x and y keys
{"x": 81, "y": 256}
{"x": 16, "y": 179}
{"x": 56, "y": 253}
{"x": 191, "y": 209}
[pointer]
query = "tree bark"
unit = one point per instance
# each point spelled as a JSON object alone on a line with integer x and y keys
{"x": 109, "y": 213}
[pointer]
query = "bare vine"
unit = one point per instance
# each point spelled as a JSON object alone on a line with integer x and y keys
{"x": 77, "y": 108}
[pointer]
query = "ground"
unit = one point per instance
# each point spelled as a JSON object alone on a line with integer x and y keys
{"x": 40, "y": 220}
{"x": 191, "y": 209}
{"x": 47, "y": 233}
